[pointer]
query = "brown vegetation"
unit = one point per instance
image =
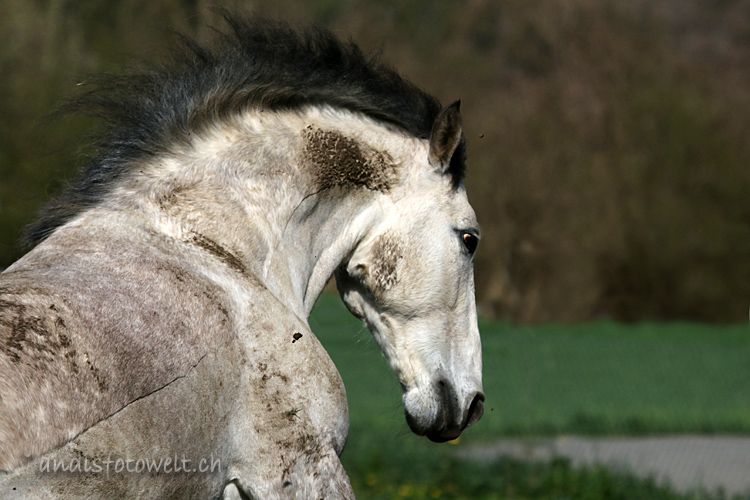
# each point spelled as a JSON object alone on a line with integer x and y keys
{"x": 608, "y": 141}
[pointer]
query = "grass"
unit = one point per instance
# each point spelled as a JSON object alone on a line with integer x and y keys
{"x": 592, "y": 378}
{"x": 509, "y": 479}
{"x": 595, "y": 378}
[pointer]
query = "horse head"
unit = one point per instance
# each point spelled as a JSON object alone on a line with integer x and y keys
{"x": 411, "y": 281}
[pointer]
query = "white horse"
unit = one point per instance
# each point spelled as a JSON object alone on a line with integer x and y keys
{"x": 154, "y": 342}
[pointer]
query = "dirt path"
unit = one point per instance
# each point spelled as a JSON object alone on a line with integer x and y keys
{"x": 687, "y": 463}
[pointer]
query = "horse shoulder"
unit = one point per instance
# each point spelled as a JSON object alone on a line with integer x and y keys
{"x": 84, "y": 332}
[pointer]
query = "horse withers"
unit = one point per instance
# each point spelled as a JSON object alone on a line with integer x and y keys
{"x": 154, "y": 341}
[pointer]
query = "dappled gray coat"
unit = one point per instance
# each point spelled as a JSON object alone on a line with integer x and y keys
{"x": 161, "y": 316}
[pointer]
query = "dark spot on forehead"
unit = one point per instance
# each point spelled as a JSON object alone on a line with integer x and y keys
{"x": 338, "y": 161}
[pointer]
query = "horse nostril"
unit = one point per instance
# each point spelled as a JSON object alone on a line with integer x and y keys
{"x": 476, "y": 409}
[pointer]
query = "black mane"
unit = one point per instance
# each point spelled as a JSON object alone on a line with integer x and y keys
{"x": 256, "y": 64}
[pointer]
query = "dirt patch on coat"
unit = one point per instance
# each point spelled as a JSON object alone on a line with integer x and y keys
{"x": 338, "y": 161}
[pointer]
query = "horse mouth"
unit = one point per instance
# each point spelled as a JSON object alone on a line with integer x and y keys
{"x": 450, "y": 419}
{"x": 444, "y": 436}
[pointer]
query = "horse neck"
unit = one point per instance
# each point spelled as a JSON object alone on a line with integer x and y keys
{"x": 243, "y": 188}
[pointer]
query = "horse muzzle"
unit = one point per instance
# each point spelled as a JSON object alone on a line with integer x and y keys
{"x": 447, "y": 416}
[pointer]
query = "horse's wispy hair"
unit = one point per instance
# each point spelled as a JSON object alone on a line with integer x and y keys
{"x": 254, "y": 64}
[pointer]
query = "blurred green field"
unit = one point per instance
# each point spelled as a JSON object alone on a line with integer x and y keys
{"x": 594, "y": 378}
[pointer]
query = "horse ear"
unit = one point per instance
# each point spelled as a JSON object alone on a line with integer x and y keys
{"x": 445, "y": 136}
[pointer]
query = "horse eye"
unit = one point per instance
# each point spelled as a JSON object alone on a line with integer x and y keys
{"x": 470, "y": 242}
